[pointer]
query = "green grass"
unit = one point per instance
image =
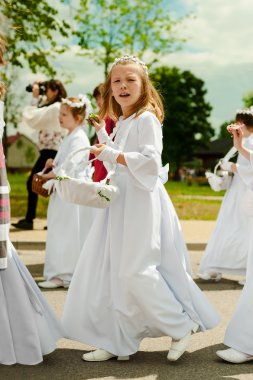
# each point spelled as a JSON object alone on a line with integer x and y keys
{"x": 198, "y": 209}
{"x": 18, "y": 196}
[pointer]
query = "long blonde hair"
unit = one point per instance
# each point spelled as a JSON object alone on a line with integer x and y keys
{"x": 149, "y": 100}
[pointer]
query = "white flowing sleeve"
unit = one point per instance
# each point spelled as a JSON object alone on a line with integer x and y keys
{"x": 2, "y": 123}
{"x": 103, "y": 136}
{"x": 42, "y": 118}
{"x": 145, "y": 164}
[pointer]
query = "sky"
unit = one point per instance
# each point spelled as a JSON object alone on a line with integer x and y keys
{"x": 218, "y": 50}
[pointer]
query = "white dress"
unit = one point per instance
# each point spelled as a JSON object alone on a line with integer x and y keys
{"x": 239, "y": 333}
{"x": 227, "y": 249}
{"x": 29, "y": 328}
{"x": 130, "y": 281}
{"x": 68, "y": 224}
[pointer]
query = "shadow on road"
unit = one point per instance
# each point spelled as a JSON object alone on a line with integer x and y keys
{"x": 66, "y": 364}
{"x": 223, "y": 284}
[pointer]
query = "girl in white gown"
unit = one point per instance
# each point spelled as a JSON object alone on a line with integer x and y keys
{"x": 67, "y": 223}
{"x": 131, "y": 280}
{"x": 239, "y": 333}
{"x": 227, "y": 249}
{"x": 29, "y": 328}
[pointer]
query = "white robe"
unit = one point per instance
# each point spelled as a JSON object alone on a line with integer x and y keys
{"x": 239, "y": 333}
{"x": 130, "y": 281}
{"x": 68, "y": 224}
{"x": 227, "y": 249}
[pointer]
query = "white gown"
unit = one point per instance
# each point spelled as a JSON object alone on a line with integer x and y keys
{"x": 239, "y": 333}
{"x": 227, "y": 249}
{"x": 29, "y": 328}
{"x": 130, "y": 281}
{"x": 68, "y": 224}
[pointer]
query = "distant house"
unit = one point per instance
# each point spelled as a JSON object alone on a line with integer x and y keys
{"x": 217, "y": 149}
{"x": 22, "y": 152}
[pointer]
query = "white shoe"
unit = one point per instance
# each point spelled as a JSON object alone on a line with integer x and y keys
{"x": 101, "y": 356}
{"x": 233, "y": 356}
{"x": 53, "y": 285}
{"x": 210, "y": 276}
{"x": 178, "y": 348}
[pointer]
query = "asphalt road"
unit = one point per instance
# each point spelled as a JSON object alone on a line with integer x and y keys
{"x": 199, "y": 362}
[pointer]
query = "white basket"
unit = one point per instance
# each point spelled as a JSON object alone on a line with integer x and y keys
{"x": 84, "y": 191}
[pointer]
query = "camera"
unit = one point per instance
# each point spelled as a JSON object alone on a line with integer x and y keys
{"x": 42, "y": 88}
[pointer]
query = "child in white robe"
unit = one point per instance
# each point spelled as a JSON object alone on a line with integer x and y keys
{"x": 68, "y": 224}
{"x": 29, "y": 328}
{"x": 131, "y": 280}
{"x": 227, "y": 249}
{"x": 239, "y": 333}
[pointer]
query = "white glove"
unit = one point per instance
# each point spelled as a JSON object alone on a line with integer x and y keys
{"x": 109, "y": 154}
{"x": 227, "y": 166}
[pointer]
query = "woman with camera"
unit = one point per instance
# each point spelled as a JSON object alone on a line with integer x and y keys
{"x": 43, "y": 116}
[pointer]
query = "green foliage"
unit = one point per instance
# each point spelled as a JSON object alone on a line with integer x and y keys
{"x": 248, "y": 99}
{"x": 107, "y": 28}
{"x": 223, "y": 133}
{"x": 186, "y": 127}
{"x": 32, "y": 28}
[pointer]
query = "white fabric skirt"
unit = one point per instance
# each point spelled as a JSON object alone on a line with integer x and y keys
{"x": 227, "y": 249}
{"x": 68, "y": 225}
{"x": 29, "y": 328}
{"x": 131, "y": 280}
{"x": 239, "y": 333}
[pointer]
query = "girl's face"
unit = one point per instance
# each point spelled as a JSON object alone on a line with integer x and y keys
{"x": 51, "y": 94}
{"x": 67, "y": 119}
{"x": 126, "y": 85}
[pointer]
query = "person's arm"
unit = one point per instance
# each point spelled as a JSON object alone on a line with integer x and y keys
{"x": 106, "y": 153}
{"x": 237, "y": 134}
{"x": 42, "y": 118}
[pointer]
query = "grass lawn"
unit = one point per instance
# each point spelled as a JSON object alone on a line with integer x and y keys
{"x": 187, "y": 208}
{"x": 18, "y": 196}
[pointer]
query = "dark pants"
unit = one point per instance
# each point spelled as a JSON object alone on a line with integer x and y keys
{"x": 38, "y": 167}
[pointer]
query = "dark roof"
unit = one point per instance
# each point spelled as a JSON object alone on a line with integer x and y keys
{"x": 11, "y": 139}
{"x": 217, "y": 147}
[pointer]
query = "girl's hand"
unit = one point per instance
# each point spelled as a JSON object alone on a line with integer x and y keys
{"x": 237, "y": 134}
{"x": 96, "y": 122}
{"x": 49, "y": 164}
{"x": 50, "y": 175}
{"x": 36, "y": 90}
{"x": 97, "y": 149}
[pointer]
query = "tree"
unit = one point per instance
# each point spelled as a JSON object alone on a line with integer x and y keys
{"x": 223, "y": 133}
{"x": 186, "y": 126}
{"x": 107, "y": 28}
{"x": 31, "y": 28}
{"x": 248, "y": 99}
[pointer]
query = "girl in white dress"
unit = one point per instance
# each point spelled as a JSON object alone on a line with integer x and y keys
{"x": 29, "y": 328}
{"x": 68, "y": 224}
{"x": 239, "y": 333}
{"x": 227, "y": 249}
{"x": 131, "y": 280}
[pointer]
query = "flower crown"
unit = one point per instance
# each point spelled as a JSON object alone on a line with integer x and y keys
{"x": 130, "y": 58}
{"x": 247, "y": 111}
{"x": 83, "y": 101}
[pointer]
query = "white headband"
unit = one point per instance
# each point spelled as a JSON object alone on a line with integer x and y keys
{"x": 83, "y": 101}
{"x": 247, "y": 111}
{"x": 130, "y": 58}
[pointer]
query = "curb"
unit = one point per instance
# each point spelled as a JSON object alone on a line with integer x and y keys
{"x": 40, "y": 246}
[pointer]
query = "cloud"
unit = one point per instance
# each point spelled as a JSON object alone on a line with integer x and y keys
{"x": 218, "y": 50}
